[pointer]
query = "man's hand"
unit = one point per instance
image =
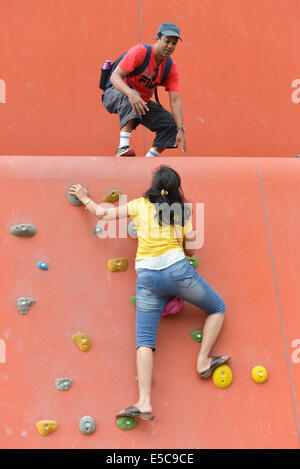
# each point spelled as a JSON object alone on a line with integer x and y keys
{"x": 181, "y": 138}
{"x": 139, "y": 106}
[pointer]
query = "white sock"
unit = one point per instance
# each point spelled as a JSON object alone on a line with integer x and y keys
{"x": 152, "y": 152}
{"x": 124, "y": 139}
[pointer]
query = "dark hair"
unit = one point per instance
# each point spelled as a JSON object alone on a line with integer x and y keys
{"x": 170, "y": 207}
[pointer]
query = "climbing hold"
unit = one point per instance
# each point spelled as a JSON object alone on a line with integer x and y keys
{"x": 117, "y": 265}
{"x": 42, "y": 265}
{"x": 24, "y": 304}
{"x": 222, "y": 376}
{"x": 25, "y": 230}
{"x": 98, "y": 229}
{"x": 63, "y": 384}
{"x": 196, "y": 335}
{"x": 46, "y": 426}
{"x": 131, "y": 229}
{"x": 82, "y": 341}
{"x": 259, "y": 374}
{"x": 112, "y": 196}
{"x": 126, "y": 423}
{"x": 73, "y": 199}
{"x": 173, "y": 306}
{"x": 132, "y": 300}
{"x": 87, "y": 425}
{"x": 193, "y": 261}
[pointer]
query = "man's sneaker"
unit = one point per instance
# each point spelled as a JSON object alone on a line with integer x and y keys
{"x": 125, "y": 151}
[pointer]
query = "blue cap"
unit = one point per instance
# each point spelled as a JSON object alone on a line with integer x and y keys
{"x": 169, "y": 29}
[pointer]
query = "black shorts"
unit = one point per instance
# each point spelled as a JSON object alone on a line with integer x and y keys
{"x": 157, "y": 119}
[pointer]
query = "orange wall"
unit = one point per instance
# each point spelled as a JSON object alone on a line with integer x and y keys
{"x": 239, "y": 66}
{"x": 250, "y": 255}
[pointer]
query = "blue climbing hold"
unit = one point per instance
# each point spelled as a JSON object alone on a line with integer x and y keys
{"x": 42, "y": 265}
{"x": 98, "y": 229}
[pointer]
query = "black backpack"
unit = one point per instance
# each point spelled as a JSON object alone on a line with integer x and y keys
{"x": 105, "y": 77}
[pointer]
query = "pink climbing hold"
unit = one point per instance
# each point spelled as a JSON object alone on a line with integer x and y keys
{"x": 173, "y": 306}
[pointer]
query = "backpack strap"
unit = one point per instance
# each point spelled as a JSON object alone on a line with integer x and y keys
{"x": 140, "y": 68}
{"x": 166, "y": 70}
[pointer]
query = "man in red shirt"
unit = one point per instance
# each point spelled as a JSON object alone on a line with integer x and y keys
{"x": 130, "y": 97}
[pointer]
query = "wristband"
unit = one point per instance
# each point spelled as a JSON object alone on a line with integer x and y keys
{"x": 87, "y": 202}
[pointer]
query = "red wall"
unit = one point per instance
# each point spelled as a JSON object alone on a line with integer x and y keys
{"x": 239, "y": 66}
{"x": 250, "y": 255}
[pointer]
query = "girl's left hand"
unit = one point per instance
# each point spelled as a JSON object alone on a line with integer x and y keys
{"x": 79, "y": 191}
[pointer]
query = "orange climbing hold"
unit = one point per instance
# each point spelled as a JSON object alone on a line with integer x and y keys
{"x": 46, "y": 426}
{"x": 117, "y": 265}
{"x": 82, "y": 341}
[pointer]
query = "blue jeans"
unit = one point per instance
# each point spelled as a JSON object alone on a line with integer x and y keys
{"x": 153, "y": 288}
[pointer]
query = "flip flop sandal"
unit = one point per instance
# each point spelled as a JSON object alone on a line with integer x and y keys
{"x": 215, "y": 362}
{"x": 134, "y": 412}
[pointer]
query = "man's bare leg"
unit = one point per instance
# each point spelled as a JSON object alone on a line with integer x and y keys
{"x": 128, "y": 126}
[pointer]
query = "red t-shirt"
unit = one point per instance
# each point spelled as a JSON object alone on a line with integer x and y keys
{"x": 143, "y": 83}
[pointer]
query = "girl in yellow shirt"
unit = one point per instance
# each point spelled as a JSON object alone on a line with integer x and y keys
{"x": 162, "y": 220}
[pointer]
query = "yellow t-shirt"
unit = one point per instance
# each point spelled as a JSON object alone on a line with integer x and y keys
{"x": 154, "y": 240}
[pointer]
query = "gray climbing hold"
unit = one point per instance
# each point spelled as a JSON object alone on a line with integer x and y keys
{"x": 24, "y": 229}
{"x": 131, "y": 229}
{"x": 63, "y": 384}
{"x": 24, "y": 304}
{"x": 73, "y": 200}
{"x": 87, "y": 425}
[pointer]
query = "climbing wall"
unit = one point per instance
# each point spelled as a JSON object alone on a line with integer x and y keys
{"x": 249, "y": 253}
{"x": 238, "y": 63}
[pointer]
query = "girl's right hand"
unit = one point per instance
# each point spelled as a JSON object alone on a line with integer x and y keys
{"x": 78, "y": 191}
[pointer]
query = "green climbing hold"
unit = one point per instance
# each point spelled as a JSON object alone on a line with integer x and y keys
{"x": 126, "y": 423}
{"x": 193, "y": 261}
{"x": 196, "y": 335}
{"x": 132, "y": 300}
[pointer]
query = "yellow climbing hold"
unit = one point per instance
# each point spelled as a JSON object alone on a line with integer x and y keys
{"x": 259, "y": 374}
{"x": 46, "y": 426}
{"x": 117, "y": 265}
{"x": 112, "y": 196}
{"x": 222, "y": 376}
{"x": 82, "y": 341}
